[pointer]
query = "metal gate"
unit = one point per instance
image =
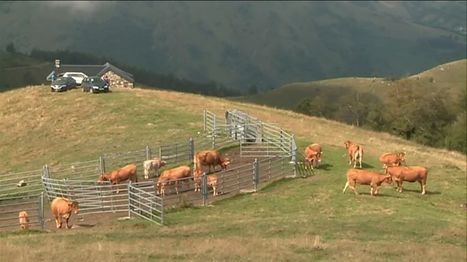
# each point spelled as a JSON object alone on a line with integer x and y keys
{"x": 143, "y": 202}
{"x": 256, "y": 138}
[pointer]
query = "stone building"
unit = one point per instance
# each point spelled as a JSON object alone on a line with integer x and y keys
{"x": 118, "y": 78}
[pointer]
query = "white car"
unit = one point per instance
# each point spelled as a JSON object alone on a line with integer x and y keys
{"x": 77, "y": 76}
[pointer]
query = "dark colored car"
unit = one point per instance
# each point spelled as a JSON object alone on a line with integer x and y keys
{"x": 62, "y": 84}
{"x": 94, "y": 85}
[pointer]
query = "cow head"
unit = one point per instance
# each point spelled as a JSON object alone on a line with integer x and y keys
{"x": 103, "y": 177}
{"x": 224, "y": 163}
{"x": 347, "y": 144}
{"x": 74, "y": 206}
{"x": 313, "y": 159}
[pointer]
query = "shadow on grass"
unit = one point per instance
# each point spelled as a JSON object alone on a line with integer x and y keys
{"x": 368, "y": 194}
{"x": 420, "y": 192}
{"x": 325, "y": 167}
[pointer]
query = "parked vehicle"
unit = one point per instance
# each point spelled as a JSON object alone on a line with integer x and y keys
{"x": 94, "y": 85}
{"x": 62, "y": 84}
{"x": 77, "y": 76}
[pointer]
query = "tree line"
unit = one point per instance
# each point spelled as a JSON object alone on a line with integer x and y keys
{"x": 429, "y": 118}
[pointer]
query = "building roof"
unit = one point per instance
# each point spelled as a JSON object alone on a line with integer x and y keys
{"x": 96, "y": 70}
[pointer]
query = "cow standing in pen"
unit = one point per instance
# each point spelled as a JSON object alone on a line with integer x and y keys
{"x": 115, "y": 177}
{"x": 62, "y": 208}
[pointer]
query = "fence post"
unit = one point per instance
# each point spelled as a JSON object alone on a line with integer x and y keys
{"x": 45, "y": 171}
{"x": 41, "y": 210}
{"x": 162, "y": 210}
{"x": 191, "y": 145}
{"x": 256, "y": 174}
{"x": 213, "y": 134}
{"x": 204, "y": 120}
{"x": 148, "y": 153}
{"x": 129, "y": 199}
{"x": 293, "y": 152}
{"x": 102, "y": 164}
{"x": 160, "y": 152}
{"x": 204, "y": 188}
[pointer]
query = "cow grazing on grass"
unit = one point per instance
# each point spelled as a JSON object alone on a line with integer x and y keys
{"x": 392, "y": 159}
{"x": 23, "y": 220}
{"x": 172, "y": 175}
{"x": 313, "y": 154}
{"x": 409, "y": 174}
{"x": 210, "y": 158}
{"x": 212, "y": 181}
{"x": 62, "y": 208}
{"x": 115, "y": 177}
{"x": 355, "y": 153}
{"x": 364, "y": 177}
{"x": 152, "y": 164}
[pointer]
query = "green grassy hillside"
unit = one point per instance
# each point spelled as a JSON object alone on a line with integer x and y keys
{"x": 449, "y": 77}
{"x": 291, "y": 220}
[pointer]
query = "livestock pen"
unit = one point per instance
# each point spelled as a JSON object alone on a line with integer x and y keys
{"x": 260, "y": 153}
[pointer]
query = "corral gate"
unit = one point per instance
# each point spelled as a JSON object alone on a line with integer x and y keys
{"x": 143, "y": 202}
{"x": 256, "y": 138}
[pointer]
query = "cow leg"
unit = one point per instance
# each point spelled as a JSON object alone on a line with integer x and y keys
{"x": 58, "y": 222}
{"x": 345, "y": 187}
{"x": 353, "y": 187}
{"x": 67, "y": 219}
{"x": 176, "y": 187}
{"x": 400, "y": 186}
{"x": 422, "y": 188}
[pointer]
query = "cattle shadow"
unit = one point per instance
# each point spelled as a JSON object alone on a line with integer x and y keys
{"x": 378, "y": 195}
{"x": 325, "y": 167}
{"x": 365, "y": 165}
{"x": 418, "y": 191}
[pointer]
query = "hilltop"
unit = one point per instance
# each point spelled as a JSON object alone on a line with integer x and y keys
{"x": 294, "y": 219}
{"x": 449, "y": 77}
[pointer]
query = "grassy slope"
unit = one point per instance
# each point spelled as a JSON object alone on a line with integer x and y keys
{"x": 451, "y": 78}
{"x": 281, "y": 222}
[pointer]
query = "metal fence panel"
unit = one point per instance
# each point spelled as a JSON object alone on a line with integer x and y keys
{"x": 9, "y": 211}
{"x": 11, "y": 188}
{"x": 143, "y": 203}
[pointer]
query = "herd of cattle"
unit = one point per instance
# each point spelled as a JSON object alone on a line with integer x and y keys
{"x": 393, "y": 164}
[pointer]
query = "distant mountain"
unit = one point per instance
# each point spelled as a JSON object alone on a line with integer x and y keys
{"x": 247, "y": 44}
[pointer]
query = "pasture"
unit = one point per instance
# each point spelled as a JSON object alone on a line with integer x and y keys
{"x": 296, "y": 219}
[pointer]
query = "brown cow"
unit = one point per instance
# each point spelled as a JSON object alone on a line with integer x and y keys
{"x": 172, "y": 175}
{"x": 152, "y": 164}
{"x": 23, "y": 220}
{"x": 392, "y": 159}
{"x": 313, "y": 154}
{"x": 409, "y": 174}
{"x": 212, "y": 181}
{"x": 355, "y": 153}
{"x": 115, "y": 177}
{"x": 63, "y": 208}
{"x": 210, "y": 158}
{"x": 364, "y": 177}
